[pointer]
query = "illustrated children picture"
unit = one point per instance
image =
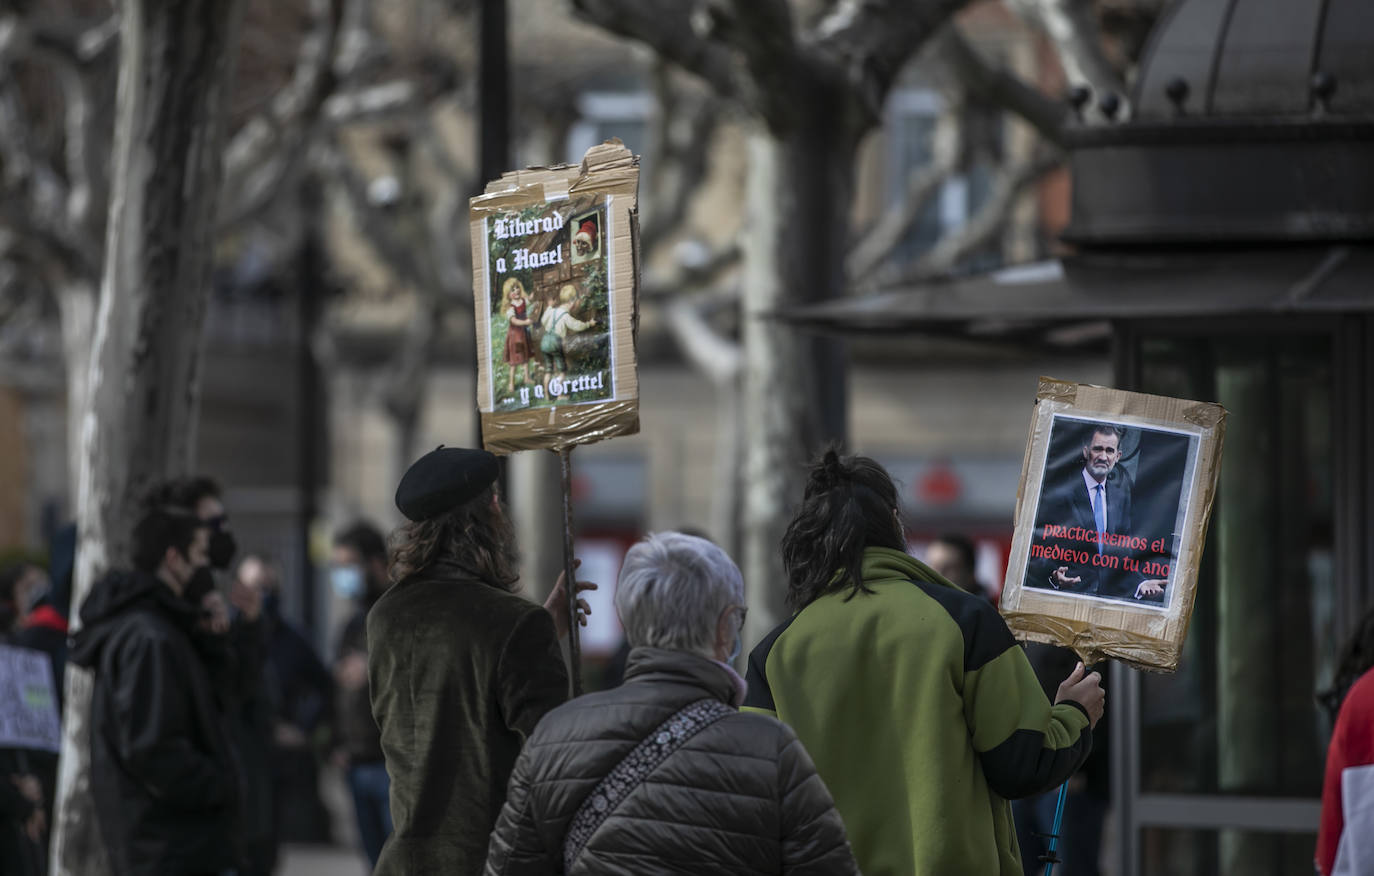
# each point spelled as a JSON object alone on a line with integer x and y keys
{"x": 1111, "y": 510}
{"x": 550, "y": 305}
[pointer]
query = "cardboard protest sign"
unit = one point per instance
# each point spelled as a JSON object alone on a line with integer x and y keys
{"x": 556, "y": 289}
{"x": 28, "y": 701}
{"x": 1112, "y": 511}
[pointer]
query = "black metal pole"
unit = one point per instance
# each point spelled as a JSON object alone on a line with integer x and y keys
{"x": 494, "y": 81}
{"x": 569, "y": 576}
{"x": 493, "y": 128}
{"x": 309, "y": 402}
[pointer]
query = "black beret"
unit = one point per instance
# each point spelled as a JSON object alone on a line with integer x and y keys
{"x": 443, "y": 479}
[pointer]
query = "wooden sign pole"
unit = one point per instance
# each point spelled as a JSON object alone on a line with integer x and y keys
{"x": 569, "y": 576}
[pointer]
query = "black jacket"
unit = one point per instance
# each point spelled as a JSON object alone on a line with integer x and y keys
{"x": 163, "y": 772}
{"x": 741, "y": 796}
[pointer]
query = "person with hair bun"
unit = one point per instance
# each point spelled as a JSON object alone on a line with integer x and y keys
{"x": 919, "y": 709}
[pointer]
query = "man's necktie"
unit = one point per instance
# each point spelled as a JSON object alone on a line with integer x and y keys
{"x": 1100, "y": 514}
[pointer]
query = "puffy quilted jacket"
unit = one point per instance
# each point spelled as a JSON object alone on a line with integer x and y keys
{"x": 741, "y": 796}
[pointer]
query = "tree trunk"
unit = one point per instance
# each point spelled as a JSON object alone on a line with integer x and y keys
{"x": 726, "y": 498}
{"x": 798, "y": 200}
{"x": 140, "y": 416}
{"x": 76, "y": 301}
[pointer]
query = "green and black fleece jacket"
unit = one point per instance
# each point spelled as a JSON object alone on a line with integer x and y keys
{"x": 923, "y": 717}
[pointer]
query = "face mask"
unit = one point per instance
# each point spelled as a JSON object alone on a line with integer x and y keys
{"x": 222, "y": 548}
{"x": 202, "y": 581}
{"x": 739, "y": 638}
{"x": 347, "y": 581}
{"x": 35, "y": 594}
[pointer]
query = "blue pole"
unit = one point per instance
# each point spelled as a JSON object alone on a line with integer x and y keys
{"x": 1050, "y": 855}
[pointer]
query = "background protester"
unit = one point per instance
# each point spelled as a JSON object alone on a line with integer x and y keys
{"x": 44, "y": 629}
{"x": 21, "y": 586}
{"x": 461, "y": 668}
{"x": 229, "y": 638}
{"x": 163, "y": 772}
{"x": 358, "y": 571}
{"x": 24, "y": 814}
{"x": 1087, "y": 797}
{"x": 954, "y": 557}
{"x": 738, "y": 795}
{"x": 1345, "y": 840}
{"x": 920, "y": 710}
{"x": 23, "y": 824}
{"x": 299, "y": 692}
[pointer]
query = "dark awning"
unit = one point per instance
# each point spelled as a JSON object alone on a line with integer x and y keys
{"x": 1102, "y": 286}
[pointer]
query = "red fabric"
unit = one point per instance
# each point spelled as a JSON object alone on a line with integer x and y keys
{"x": 46, "y": 616}
{"x": 1352, "y": 744}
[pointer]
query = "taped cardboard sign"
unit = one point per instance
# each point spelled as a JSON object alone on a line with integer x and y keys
{"x": 1112, "y": 511}
{"x": 556, "y": 292}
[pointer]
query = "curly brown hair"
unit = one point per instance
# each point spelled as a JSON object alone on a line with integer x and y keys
{"x": 477, "y": 537}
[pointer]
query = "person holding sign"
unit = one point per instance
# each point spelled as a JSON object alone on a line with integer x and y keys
{"x": 460, "y": 668}
{"x": 921, "y": 712}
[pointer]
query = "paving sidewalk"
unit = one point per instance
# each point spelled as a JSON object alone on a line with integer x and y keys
{"x": 321, "y": 861}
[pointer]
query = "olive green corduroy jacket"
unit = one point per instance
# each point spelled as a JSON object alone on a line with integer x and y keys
{"x": 460, "y": 672}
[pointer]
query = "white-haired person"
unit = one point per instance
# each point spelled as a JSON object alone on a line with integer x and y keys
{"x": 663, "y": 774}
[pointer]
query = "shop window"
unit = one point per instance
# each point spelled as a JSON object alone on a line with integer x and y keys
{"x": 1240, "y": 716}
{"x": 914, "y": 115}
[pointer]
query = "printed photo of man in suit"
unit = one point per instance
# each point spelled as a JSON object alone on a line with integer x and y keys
{"x": 1090, "y": 512}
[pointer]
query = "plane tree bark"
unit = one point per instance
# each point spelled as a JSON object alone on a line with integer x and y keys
{"x": 139, "y": 422}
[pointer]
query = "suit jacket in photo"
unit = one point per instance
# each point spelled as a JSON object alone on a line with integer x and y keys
{"x": 1067, "y": 504}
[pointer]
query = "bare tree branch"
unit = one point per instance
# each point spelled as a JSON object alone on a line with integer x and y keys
{"x": 381, "y": 233}
{"x": 374, "y": 101}
{"x": 281, "y": 131}
{"x": 762, "y": 32}
{"x": 681, "y": 124}
{"x": 983, "y": 83}
{"x": 922, "y": 184}
{"x": 58, "y": 206}
{"x": 669, "y": 29}
{"x": 988, "y": 222}
{"x": 710, "y": 352}
{"x": 80, "y": 158}
{"x": 446, "y": 219}
{"x": 93, "y": 42}
{"x": 691, "y": 276}
{"x": 870, "y": 41}
{"x": 34, "y": 200}
{"x": 1072, "y": 27}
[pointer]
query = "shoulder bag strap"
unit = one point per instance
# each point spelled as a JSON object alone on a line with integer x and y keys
{"x": 636, "y": 766}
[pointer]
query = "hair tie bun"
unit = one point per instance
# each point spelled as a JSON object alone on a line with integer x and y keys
{"x": 830, "y": 473}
